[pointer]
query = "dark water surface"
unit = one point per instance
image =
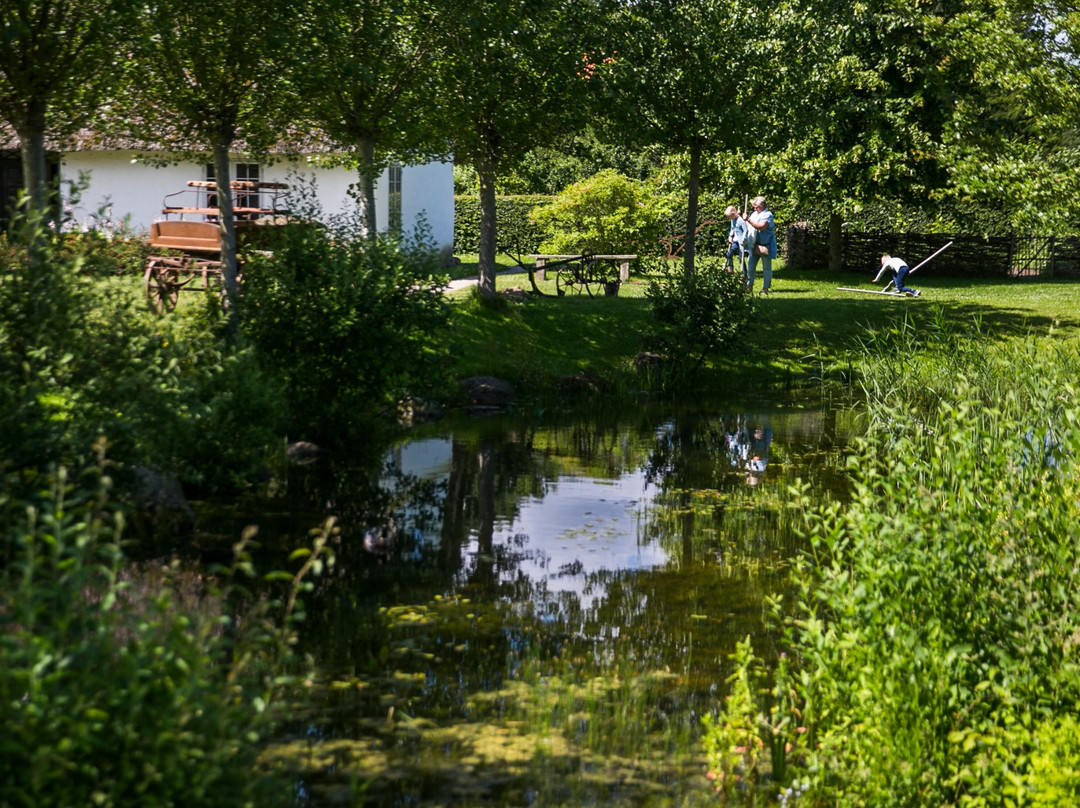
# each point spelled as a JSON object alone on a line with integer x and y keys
{"x": 538, "y": 612}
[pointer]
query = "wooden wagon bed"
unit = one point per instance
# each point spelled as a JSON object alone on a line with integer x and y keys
{"x": 190, "y": 256}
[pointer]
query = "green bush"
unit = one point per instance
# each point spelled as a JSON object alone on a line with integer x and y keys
{"x": 607, "y": 214}
{"x": 515, "y": 231}
{"x": 935, "y": 625}
{"x": 698, "y": 315}
{"x": 79, "y": 360}
{"x": 572, "y": 158}
{"x": 351, "y": 327}
{"x": 123, "y": 685}
{"x": 1054, "y": 776}
{"x": 104, "y": 254}
{"x": 890, "y": 217}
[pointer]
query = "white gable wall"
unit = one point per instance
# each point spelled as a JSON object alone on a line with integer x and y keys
{"x": 134, "y": 189}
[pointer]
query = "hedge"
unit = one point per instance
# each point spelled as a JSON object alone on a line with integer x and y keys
{"x": 517, "y": 233}
{"x": 514, "y": 231}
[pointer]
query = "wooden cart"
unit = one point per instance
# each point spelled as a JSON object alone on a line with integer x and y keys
{"x": 190, "y": 248}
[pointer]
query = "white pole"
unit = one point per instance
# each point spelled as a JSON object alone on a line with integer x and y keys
{"x": 927, "y": 259}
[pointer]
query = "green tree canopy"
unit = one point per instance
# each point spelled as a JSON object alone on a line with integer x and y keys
{"x": 881, "y": 94}
{"x": 1015, "y": 145}
{"x": 369, "y": 80}
{"x": 685, "y": 75}
{"x": 210, "y": 76}
{"x": 515, "y": 76}
{"x": 58, "y": 58}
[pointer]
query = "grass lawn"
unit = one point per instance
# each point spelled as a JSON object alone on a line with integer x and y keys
{"x": 806, "y": 323}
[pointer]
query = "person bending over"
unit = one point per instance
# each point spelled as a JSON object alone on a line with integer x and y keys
{"x": 899, "y": 269}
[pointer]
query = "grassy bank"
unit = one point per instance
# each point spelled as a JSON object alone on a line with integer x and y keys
{"x": 806, "y": 325}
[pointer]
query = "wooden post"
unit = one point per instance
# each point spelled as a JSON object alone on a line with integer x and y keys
{"x": 541, "y": 273}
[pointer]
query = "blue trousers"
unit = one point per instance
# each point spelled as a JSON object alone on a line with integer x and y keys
{"x": 751, "y": 271}
{"x": 898, "y": 280}
{"x": 732, "y": 250}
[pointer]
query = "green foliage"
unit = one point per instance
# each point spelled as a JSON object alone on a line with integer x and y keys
{"x": 891, "y": 216}
{"x": 759, "y": 729}
{"x": 516, "y": 231}
{"x": 699, "y": 314}
{"x": 1054, "y": 776}
{"x": 607, "y": 214}
{"x": 466, "y": 183}
{"x": 60, "y": 59}
{"x": 80, "y": 360}
{"x": 937, "y": 615}
{"x": 129, "y": 686}
{"x": 349, "y": 326}
{"x": 1015, "y": 146}
{"x": 572, "y": 158}
{"x": 712, "y": 236}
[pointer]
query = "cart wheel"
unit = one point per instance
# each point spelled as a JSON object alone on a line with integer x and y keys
{"x": 162, "y": 291}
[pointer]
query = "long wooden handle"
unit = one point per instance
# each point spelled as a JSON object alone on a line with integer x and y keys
{"x": 927, "y": 259}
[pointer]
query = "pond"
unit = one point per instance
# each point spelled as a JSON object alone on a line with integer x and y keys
{"x": 539, "y": 611}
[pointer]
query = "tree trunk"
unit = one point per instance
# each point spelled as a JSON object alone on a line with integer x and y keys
{"x": 31, "y": 133}
{"x": 366, "y": 198}
{"x": 483, "y": 573}
{"x": 227, "y": 224}
{"x": 836, "y": 241}
{"x": 692, "y": 209}
{"x": 486, "y": 269}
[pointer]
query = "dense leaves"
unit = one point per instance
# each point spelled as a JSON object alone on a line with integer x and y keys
{"x": 58, "y": 58}
{"x": 516, "y": 74}
{"x": 697, "y": 314}
{"x": 80, "y": 360}
{"x": 684, "y": 77}
{"x": 126, "y": 685}
{"x": 349, "y": 327}
{"x": 517, "y": 232}
{"x": 607, "y": 214}
{"x": 934, "y": 632}
{"x": 370, "y": 81}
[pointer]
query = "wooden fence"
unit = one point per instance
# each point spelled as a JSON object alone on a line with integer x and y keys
{"x": 970, "y": 256}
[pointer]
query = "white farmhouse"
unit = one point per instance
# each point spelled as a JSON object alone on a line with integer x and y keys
{"x": 130, "y": 183}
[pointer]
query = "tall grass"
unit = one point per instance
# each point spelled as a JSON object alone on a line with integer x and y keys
{"x": 934, "y": 633}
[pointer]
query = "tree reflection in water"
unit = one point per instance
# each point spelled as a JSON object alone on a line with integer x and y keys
{"x": 526, "y": 554}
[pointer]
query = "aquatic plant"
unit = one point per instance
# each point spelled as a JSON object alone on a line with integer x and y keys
{"x": 934, "y": 629}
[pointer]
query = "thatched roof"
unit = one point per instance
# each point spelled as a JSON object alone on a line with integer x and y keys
{"x": 295, "y": 143}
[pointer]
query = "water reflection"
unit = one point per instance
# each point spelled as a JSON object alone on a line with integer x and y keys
{"x": 501, "y": 556}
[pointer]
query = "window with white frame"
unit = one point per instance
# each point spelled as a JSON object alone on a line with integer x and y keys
{"x": 393, "y": 185}
{"x": 242, "y": 172}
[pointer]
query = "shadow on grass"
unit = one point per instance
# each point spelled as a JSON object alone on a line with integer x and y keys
{"x": 804, "y": 326}
{"x": 806, "y": 311}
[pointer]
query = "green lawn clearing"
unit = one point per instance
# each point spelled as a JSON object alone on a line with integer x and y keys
{"x": 804, "y": 326}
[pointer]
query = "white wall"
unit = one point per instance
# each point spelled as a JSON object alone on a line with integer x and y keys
{"x": 134, "y": 189}
{"x": 428, "y": 190}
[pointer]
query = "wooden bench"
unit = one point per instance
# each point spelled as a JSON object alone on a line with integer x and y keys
{"x": 201, "y": 237}
{"x": 623, "y": 261}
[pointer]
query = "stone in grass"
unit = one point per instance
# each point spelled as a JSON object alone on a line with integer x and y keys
{"x": 488, "y": 392}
